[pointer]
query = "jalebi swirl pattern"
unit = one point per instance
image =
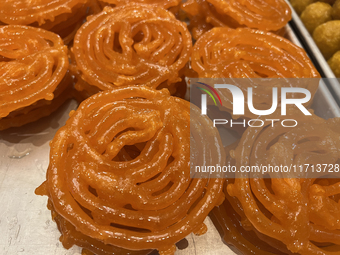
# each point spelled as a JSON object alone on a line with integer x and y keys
{"x": 119, "y": 172}
{"x": 266, "y": 15}
{"x": 33, "y": 73}
{"x": 132, "y": 45}
{"x": 63, "y": 17}
{"x": 247, "y": 53}
{"x": 285, "y": 215}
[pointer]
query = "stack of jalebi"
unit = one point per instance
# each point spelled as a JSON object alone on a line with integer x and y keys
{"x": 63, "y": 17}
{"x": 134, "y": 44}
{"x": 247, "y": 53}
{"x": 33, "y": 74}
{"x": 266, "y": 15}
{"x": 285, "y": 215}
{"x": 119, "y": 172}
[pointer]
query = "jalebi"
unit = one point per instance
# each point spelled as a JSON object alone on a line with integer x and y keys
{"x": 266, "y": 15}
{"x": 119, "y": 171}
{"x": 63, "y": 17}
{"x": 247, "y": 53}
{"x": 285, "y": 215}
{"x": 33, "y": 74}
{"x": 132, "y": 45}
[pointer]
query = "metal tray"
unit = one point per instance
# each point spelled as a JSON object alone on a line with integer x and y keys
{"x": 25, "y": 223}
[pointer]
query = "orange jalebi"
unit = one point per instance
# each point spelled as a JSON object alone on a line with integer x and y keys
{"x": 247, "y": 53}
{"x": 134, "y": 44}
{"x": 285, "y": 215}
{"x": 266, "y": 15}
{"x": 119, "y": 172}
{"x": 71, "y": 236}
{"x": 63, "y": 17}
{"x": 33, "y": 73}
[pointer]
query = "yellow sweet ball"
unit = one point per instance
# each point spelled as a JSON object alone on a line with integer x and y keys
{"x": 327, "y": 38}
{"x": 300, "y": 5}
{"x": 334, "y": 63}
{"x": 316, "y": 14}
{"x": 336, "y": 10}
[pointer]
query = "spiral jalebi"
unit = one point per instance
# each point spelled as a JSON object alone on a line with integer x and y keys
{"x": 230, "y": 219}
{"x": 247, "y": 53}
{"x": 63, "y": 17}
{"x": 134, "y": 44}
{"x": 285, "y": 215}
{"x": 266, "y": 15}
{"x": 119, "y": 171}
{"x": 33, "y": 73}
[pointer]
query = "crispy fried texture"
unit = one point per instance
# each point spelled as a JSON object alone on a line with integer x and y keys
{"x": 33, "y": 73}
{"x": 247, "y": 53}
{"x": 266, "y": 15}
{"x": 63, "y": 17}
{"x": 132, "y": 45}
{"x": 120, "y": 171}
{"x": 284, "y": 215}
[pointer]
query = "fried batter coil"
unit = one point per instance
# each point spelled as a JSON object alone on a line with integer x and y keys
{"x": 132, "y": 45}
{"x": 41, "y": 108}
{"x": 66, "y": 25}
{"x": 266, "y": 15}
{"x": 290, "y": 215}
{"x": 33, "y": 63}
{"x": 70, "y": 236}
{"x": 28, "y": 12}
{"x": 246, "y": 53}
{"x": 120, "y": 171}
{"x": 63, "y": 17}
